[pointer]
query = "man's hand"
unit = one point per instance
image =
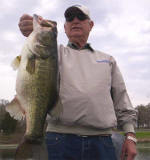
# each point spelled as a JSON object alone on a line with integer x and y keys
{"x": 129, "y": 149}
{"x": 26, "y": 24}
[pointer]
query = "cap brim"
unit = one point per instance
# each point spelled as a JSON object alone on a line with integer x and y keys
{"x": 72, "y": 10}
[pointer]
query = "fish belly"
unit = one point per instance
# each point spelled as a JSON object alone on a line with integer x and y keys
{"x": 37, "y": 93}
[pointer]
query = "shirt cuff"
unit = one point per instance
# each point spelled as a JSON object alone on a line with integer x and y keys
{"x": 128, "y": 127}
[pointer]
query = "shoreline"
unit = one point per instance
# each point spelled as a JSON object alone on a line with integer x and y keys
{"x": 143, "y": 140}
{"x": 4, "y": 146}
{"x": 142, "y": 137}
{"x": 8, "y": 146}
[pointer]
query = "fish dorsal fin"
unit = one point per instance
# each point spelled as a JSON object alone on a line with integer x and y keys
{"x": 15, "y": 110}
{"x": 16, "y": 62}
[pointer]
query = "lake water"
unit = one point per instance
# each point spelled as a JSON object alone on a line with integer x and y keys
{"x": 7, "y": 154}
{"x": 143, "y": 152}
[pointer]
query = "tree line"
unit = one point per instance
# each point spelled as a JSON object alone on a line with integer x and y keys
{"x": 9, "y": 125}
{"x": 143, "y": 120}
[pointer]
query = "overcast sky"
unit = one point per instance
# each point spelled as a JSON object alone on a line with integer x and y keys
{"x": 122, "y": 29}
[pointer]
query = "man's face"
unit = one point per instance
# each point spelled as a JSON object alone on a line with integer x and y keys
{"x": 78, "y": 28}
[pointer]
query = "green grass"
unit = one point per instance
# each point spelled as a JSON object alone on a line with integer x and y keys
{"x": 143, "y": 134}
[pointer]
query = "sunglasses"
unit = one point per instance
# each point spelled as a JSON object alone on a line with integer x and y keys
{"x": 80, "y": 16}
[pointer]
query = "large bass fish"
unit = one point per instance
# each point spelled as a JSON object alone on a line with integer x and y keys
{"x": 36, "y": 84}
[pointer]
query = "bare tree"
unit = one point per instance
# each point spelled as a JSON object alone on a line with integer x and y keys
{"x": 143, "y": 116}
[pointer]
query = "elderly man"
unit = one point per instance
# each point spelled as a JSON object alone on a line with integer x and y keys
{"x": 92, "y": 98}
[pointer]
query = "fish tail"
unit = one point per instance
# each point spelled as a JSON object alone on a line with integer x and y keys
{"x": 24, "y": 151}
{"x": 27, "y": 150}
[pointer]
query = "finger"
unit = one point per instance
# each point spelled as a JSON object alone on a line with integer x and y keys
{"x": 26, "y": 29}
{"x": 25, "y": 23}
{"x": 123, "y": 156}
{"x": 130, "y": 157}
{"x": 26, "y": 33}
{"x": 26, "y": 17}
{"x": 123, "y": 152}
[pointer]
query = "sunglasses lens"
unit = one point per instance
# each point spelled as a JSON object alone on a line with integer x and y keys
{"x": 80, "y": 16}
{"x": 70, "y": 18}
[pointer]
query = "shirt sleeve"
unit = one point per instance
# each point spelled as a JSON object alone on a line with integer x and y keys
{"x": 125, "y": 113}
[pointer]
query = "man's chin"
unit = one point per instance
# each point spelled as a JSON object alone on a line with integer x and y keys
{"x": 76, "y": 34}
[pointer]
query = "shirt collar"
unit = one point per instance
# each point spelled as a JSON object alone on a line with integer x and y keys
{"x": 74, "y": 46}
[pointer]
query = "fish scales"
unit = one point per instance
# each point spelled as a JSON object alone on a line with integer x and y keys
{"x": 36, "y": 84}
{"x": 44, "y": 93}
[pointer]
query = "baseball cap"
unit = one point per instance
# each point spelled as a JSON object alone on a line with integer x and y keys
{"x": 82, "y": 8}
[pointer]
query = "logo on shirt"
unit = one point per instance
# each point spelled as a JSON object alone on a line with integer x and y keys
{"x": 103, "y": 61}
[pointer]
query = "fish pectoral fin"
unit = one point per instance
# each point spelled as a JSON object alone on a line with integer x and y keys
{"x": 15, "y": 110}
{"x": 30, "y": 67}
{"x": 16, "y": 62}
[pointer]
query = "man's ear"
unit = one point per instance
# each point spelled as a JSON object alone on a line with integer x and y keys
{"x": 65, "y": 27}
{"x": 91, "y": 24}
